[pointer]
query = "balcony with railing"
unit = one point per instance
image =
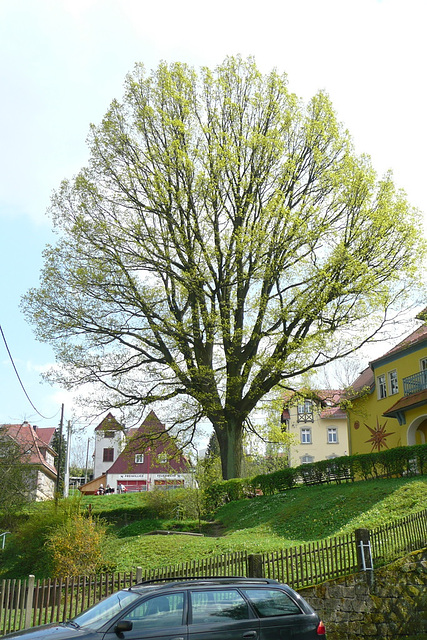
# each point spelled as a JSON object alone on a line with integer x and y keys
{"x": 415, "y": 383}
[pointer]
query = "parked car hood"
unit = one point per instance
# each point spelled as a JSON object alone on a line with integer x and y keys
{"x": 53, "y": 631}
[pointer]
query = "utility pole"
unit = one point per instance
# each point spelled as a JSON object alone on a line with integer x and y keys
{"x": 87, "y": 459}
{"x": 67, "y": 462}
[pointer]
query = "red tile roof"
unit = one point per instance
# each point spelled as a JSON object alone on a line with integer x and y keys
{"x": 151, "y": 439}
{"x": 27, "y": 437}
{"x": 329, "y": 400}
{"x": 46, "y": 434}
{"x": 419, "y": 335}
{"x": 365, "y": 379}
{"x": 415, "y": 399}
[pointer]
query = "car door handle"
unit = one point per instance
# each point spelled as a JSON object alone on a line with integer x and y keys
{"x": 250, "y": 634}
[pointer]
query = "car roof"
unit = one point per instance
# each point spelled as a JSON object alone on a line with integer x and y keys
{"x": 175, "y": 583}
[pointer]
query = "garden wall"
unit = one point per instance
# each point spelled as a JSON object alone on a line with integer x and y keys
{"x": 390, "y": 602}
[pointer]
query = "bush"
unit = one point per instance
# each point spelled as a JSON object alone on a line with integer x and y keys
{"x": 75, "y": 547}
{"x": 27, "y": 550}
{"x": 275, "y": 482}
{"x": 220, "y": 493}
{"x": 173, "y": 503}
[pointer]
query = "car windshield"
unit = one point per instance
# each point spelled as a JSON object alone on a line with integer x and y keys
{"x": 99, "y": 614}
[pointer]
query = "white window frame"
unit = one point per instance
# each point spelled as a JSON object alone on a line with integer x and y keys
{"x": 423, "y": 364}
{"x": 305, "y": 411}
{"x": 332, "y": 431}
{"x": 381, "y": 387}
{"x": 393, "y": 383}
{"x": 306, "y": 459}
{"x": 139, "y": 458}
{"x": 306, "y": 431}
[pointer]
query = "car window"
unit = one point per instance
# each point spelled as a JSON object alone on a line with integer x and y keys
{"x": 218, "y": 606}
{"x": 102, "y": 612}
{"x": 271, "y": 602}
{"x": 158, "y": 612}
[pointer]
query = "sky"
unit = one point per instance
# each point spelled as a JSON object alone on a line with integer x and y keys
{"x": 63, "y": 61}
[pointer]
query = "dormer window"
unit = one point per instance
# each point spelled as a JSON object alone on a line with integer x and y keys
{"x": 305, "y": 411}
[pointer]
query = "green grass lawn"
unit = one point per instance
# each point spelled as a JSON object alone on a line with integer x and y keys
{"x": 266, "y": 523}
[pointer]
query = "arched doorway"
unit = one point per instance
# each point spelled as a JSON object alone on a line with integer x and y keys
{"x": 417, "y": 431}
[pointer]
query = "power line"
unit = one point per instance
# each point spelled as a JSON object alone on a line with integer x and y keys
{"x": 20, "y": 381}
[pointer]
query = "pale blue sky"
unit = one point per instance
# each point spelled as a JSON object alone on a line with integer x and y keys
{"x": 62, "y": 61}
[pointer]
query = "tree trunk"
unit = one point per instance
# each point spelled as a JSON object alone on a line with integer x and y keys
{"x": 229, "y": 437}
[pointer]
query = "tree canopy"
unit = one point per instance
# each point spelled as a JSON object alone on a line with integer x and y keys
{"x": 224, "y": 238}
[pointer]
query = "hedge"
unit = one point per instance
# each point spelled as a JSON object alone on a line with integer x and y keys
{"x": 397, "y": 462}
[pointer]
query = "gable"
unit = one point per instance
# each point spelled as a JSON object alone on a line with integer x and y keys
{"x": 153, "y": 442}
{"x": 32, "y": 447}
{"x": 414, "y": 342}
{"x": 109, "y": 423}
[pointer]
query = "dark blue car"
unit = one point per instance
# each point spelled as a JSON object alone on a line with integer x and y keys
{"x": 194, "y": 609}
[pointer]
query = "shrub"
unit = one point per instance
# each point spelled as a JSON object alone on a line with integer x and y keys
{"x": 275, "y": 482}
{"x": 75, "y": 547}
{"x": 27, "y": 550}
{"x": 173, "y": 503}
{"x": 225, "y": 491}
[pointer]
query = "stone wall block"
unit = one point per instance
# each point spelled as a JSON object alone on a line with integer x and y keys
{"x": 392, "y": 606}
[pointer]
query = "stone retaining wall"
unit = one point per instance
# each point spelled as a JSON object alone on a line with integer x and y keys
{"x": 389, "y": 603}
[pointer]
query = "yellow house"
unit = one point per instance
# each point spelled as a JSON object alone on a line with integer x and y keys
{"x": 318, "y": 427}
{"x": 390, "y": 407}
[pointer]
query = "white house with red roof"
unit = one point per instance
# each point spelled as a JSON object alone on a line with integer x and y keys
{"x": 37, "y": 454}
{"x": 140, "y": 460}
{"x": 317, "y": 425}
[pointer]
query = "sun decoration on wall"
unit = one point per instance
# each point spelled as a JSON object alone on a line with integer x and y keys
{"x": 378, "y": 437}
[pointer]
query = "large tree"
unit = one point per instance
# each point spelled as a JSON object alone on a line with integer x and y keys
{"x": 224, "y": 238}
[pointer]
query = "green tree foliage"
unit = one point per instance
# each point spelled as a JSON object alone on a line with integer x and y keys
{"x": 208, "y": 469}
{"x": 224, "y": 238}
{"x": 15, "y": 480}
{"x": 59, "y": 445}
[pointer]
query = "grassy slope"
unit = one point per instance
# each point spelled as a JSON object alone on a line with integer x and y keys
{"x": 268, "y": 523}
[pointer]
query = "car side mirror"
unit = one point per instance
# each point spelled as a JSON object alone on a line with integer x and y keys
{"x": 123, "y": 625}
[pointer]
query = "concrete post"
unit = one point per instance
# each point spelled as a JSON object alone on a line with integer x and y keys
{"x": 29, "y": 602}
{"x": 364, "y": 555}
{"x": 255, "y": 566}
